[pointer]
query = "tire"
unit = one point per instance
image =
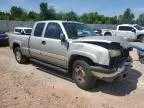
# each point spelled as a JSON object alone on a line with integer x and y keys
{"x": 19, "y": 57}
{"x": 142, "y": 39}
{"x": 82, "y": 76}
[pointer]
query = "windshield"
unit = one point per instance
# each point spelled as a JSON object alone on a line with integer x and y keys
{"x": 76, "y": 30}
{"x": 138, "y": 27}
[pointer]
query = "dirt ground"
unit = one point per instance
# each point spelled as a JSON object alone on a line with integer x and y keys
{"x": 36, "y": 86}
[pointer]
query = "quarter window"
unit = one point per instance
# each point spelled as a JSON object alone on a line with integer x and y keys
{"x": 53, "y": 31}
{"x": 39, "y": 29}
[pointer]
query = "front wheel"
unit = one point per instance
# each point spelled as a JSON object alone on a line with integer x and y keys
{"x": 82, "y": 76}
{"x": 19, "y": 57}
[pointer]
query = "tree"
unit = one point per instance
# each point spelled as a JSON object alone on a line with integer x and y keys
{"x": 71, "y": 16}
{"x": 16, "y": 13}
{"x": 60, "y": 16}
{"x": 92, "y": 17}
{"x": 44, "y": 11}
{"x": 47, "y": 13}
{"x": 33, "y": 16}
{"x": 140, "y": 19}
{"x": 127, "y": 17}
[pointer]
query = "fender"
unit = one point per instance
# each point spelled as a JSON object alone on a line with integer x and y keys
{"x": 97, "y": 54}
{"x": 91, "y": 56}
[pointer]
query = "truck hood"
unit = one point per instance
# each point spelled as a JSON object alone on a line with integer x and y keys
{"x": 108, "y": 40}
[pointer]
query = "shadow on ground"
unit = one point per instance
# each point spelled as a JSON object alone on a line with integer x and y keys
{"x": 3, "y": 45}
{"x": 118, "y": 88}
{"x": 52, "y": 71}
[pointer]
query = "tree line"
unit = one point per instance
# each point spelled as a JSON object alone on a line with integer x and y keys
{"x": 49, "y": 13}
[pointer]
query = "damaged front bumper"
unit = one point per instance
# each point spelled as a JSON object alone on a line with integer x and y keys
{"x": 113, "y": 73}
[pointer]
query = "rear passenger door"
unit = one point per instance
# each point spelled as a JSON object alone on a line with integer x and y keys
{"x": 53, "y": 49}
{"x": 35, "y": 41}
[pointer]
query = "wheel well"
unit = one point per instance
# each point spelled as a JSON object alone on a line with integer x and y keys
{"x": 15, "y": 45}
{"x": 140, "y": 36}
{"x": 106, "y": 33}
{"x": 78, "y": 57}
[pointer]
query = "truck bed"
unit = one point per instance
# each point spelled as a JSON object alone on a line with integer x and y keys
{"x": 23, "y": 41}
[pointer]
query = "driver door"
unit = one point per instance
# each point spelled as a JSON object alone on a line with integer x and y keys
{"x": 54, "y": 50}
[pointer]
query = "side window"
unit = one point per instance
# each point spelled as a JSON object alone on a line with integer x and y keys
{"x": 53, "y": 31}
{"x": 18, "y": 30}
{"x": 125, "y": 28}
{"x": 39, "y": 29}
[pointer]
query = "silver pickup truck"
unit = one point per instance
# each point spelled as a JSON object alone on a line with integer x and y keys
{"x": 74, "y": 47}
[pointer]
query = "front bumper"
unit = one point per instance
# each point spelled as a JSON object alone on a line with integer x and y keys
{"x": 111, "y": 74}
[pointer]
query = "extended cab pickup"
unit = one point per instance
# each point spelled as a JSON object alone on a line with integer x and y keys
{"x": 73, "y": 46}
{"x": 130, "y": 32}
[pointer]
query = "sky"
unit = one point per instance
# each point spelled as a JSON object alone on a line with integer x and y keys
{"x": 103, "y": 7}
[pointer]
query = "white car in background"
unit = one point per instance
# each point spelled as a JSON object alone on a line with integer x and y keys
{"x": 130, "y": 32}
{"x": 23, "y": 30}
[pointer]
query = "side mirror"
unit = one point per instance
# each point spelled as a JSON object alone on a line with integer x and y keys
{"x": 62, "y": 37}
{"x": 133, "y": 30}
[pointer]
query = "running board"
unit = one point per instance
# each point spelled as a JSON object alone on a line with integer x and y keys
{"x": 49, "y": 65}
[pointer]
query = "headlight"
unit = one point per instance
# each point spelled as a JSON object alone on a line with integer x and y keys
{"x": 114, "y": 53}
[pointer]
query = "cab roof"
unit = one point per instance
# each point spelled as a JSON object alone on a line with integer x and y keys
{"x": 58, "y": 21}
{"x": 127, "y": 24}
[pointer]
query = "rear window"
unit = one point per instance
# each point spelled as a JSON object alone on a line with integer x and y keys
{"x": 39, "y": 29}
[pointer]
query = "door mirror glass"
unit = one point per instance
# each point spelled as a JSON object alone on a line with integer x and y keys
{"x": 62, "y": 37}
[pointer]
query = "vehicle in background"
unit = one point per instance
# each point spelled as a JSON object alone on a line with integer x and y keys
{"x": 140, "y": 52}
{"x": 131, "y": 32}
{"x": 23, "y": 30}
{"x": 3, "y": 39}
{"x": 74, "y": 48}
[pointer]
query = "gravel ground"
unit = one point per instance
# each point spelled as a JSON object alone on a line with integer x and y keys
{"x": 36, "y": 86}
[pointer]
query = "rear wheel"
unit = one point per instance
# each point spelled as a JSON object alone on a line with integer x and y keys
{"x": 82, "y": 76}
{"x": 19, "y": 57}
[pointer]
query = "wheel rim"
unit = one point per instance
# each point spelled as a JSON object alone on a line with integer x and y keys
{"x": 80, "y": 74}
{"x": 18, "y": 55}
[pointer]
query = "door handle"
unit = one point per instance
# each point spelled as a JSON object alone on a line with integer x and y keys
{"x": 43, "y": 42}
